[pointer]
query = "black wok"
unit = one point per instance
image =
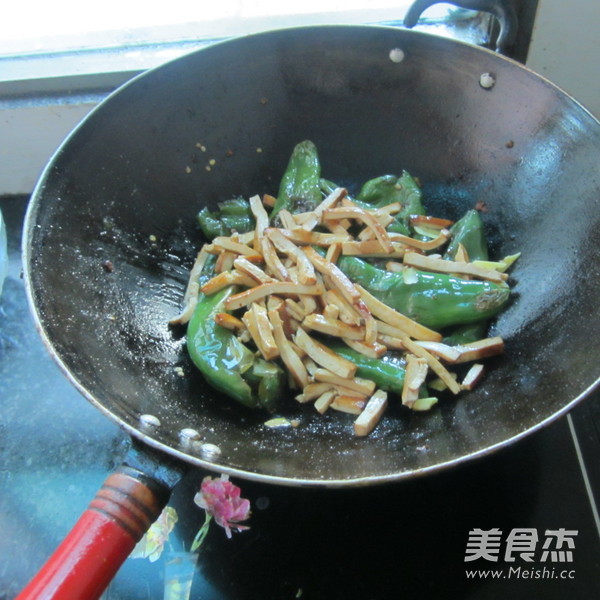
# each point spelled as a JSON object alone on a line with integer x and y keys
{"x": 111, "y": 234}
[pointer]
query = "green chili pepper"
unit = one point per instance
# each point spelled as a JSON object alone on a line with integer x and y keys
{"x": 377, "y": 192}
{"x": 388, "y": 189}
{"x": 466, "y": 334}
{"x": 217, "y": 352}
{"x": 238, "y": 223}
{"x": 327, "y": 186}
{"x": 272, "y": 384}
{"x": 269, "y": 381}
{"x": 226, "y": 363}
{"x": 385, "y": 190}
{"x": 210, "y": 225}
{"x": 409, "y": 194}
{"x": 300, "y": 190}
{"x": 233, "y": 215}
{"x": 387, "y": 372}
{"x": 235, "y": 206}
{"x": 435, "y": 300}
{"x": 469, "y": 232}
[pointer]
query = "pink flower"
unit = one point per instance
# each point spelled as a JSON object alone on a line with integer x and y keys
{"x": 221, "y": 499}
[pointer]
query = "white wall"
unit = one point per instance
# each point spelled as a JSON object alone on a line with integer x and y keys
{"x": 29, "y": 135}
{"x": 565, "y": 48}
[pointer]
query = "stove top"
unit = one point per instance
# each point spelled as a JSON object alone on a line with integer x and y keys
{"x": 521, "y": 523}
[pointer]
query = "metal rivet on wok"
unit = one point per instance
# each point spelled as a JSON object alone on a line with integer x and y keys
{"x": 397, "y": 55}
{"x": 189, "y": 437}
{"x": 487, "y": 81}
{"x": 191, "y": 441}
{"x": 210, "y": 451}
{"x": 149, "y": 422}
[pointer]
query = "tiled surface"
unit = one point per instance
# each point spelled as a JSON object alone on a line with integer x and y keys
{"x": 404, "y": 540}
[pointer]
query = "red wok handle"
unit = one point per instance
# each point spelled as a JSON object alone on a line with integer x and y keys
{"x": 91, "y": 554}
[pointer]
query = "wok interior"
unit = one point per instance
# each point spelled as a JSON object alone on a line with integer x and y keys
{"x": 127, "y": 184}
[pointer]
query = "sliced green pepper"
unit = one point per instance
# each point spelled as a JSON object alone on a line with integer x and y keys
{"x": 435, "y": 300}
{"x": 300, "y": 189}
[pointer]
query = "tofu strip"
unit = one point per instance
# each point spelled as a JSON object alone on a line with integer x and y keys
{"x": 262, "y": 220}
{"x": 192, "y": 290}
{"x": 428, "y": 263}
{"x": 324, "y": 356}
{"x": 367, "y": 218}
{"x": 278, "y": 288}
{"x": 396, "y": 319}
{"x": 306, "y": 272}
{"x": 289, "y": 357}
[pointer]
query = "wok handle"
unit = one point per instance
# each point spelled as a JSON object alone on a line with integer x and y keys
{"x": 501, "y": 9}
{"x": 90, "y": 556}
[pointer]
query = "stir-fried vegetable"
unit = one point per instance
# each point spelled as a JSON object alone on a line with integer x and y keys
{"x": 355, "y": 298}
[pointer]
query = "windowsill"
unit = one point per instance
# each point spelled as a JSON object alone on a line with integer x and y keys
{"x": 83, "y": 71}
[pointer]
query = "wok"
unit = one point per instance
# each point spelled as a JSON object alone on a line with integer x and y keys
{"x": 111, "y": 234}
